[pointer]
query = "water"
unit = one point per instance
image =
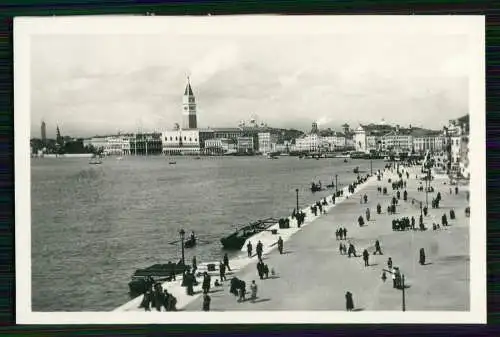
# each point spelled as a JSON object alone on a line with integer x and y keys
{"x": 94, "y": 225}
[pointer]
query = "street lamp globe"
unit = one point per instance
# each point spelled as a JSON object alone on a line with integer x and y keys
{"x": 182, "y": 233}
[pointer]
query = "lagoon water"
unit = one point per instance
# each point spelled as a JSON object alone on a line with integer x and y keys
{"x": 94, "y": 225}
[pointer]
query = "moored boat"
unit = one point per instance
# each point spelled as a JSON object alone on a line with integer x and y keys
{"x": 144, "y": 278}
{"x": 236, "y": 240}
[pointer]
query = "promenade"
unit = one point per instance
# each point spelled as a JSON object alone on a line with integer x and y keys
{"x": 239, "y": 264}
{"x": 312, "y": 275}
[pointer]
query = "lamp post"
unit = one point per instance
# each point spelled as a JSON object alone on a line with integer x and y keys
{"x": 336, "y": 185}
{"x": 371, "y": 166}
{"x": 297, "y": 197}
{"x": 421, "y": 209}
{"x": 182, "y": 233}
{"x": 403, "y": 289}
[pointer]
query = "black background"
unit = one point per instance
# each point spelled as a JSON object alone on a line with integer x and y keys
{"x": 10, "y": 9}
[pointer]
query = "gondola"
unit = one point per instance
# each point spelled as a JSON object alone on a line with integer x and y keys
{"x": 315, "y": 187}
{"x": 356, "y": 169}
{"x": 236, "y": 240}
{"x": 190, "y": 243}
{"x": 144, "y": 278}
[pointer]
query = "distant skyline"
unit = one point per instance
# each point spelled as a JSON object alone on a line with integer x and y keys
{"x": 102, "y": 84}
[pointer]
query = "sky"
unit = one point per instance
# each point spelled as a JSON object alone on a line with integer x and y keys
{"x": 102, "y": 84}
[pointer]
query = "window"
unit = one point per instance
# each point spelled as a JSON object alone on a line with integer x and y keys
{"x": 190, "y": 139}
{"x": 184, "y": 137}
{"x": 170, "y": 137}
{"x": 195, "y": 140}
{"x": 175, "y": 137}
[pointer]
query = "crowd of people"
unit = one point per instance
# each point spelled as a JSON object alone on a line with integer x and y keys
{"x": 237, "y": 287}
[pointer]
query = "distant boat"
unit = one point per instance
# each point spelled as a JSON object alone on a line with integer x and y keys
{"x": 172, "y": 162}
{"x": 198, "y": 157}
{"x": 356, "y": 169}
{"x": 119, "y": 158}
{"x": 271, "y": 156}
{"x": 346, "y": 161}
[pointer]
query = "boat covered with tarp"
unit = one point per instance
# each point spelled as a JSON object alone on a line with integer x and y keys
{"x": 236, "y": 240}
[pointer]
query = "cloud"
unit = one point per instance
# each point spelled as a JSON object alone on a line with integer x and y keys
{"x": 216, "y": 60}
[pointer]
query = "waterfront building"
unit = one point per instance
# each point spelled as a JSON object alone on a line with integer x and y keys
{"x": 311, "y": 142}
{"x": 457, "y": 140}
{"x": 176, "y": 142}
{"x": 188, "y": 108}
{"x": 369, "y": 138}
{"x": 144, "y": 144}
{"x": 397, "y": 141}
{"x": 117, "y": 145}
{"x": 267, "y": 142}
{"x": 245, "y": 144}
{"x": 97, "y": 142}
{"x": 219, "y": 146}
{"x": 427, "y": 140}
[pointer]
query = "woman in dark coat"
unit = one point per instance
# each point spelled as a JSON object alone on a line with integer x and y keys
{"x": 349, "y": 303}
{"x": 422, "y": 256}
{"x": 206, "y": 302}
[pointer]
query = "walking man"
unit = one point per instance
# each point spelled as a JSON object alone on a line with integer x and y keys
{"x": 365, "y": 257}
{"x": 226, "y": 262}
{"x": 222, "y": 271}
{"x": 249, "y": 249}
{"x": 377, "y": 248}
{"x": 280, "y": 245}
{"x": 259, "y": 250}
{"x": 349, "y": 303}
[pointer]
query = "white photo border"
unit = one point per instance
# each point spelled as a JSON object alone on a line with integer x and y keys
{"x": 26, "y": 27}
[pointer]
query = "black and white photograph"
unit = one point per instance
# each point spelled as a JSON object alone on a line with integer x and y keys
{"x": 250, "y": 169}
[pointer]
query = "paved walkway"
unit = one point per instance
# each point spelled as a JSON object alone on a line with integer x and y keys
{"x": 269, "y": 244}
{"x": 312, "y": 275}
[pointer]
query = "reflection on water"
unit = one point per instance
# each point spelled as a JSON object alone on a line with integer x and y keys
{"x": 94, "y": 225}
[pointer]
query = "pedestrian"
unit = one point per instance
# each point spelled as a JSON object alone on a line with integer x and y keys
{"x": 259, "y": 249}
{"x": 367, "y": 214}
{"x": 253, "y": 290}
{"x": 249, "y": 249}
{"x": 146, "y": 301}
{"x": 222, "y": 271}
{"x": 280, "y": 245}
{"x": 260, "y": 269}
{"x": 195, "y": 265}
{"x": 337, "y": 232}
{"x": 345, "y": 233}
{"x": 377, "y": 248}
{"x": 384, "y": 276}
{"x": 389, "y": 263}
{"x": 242, "y": 291}
{"x": 266, "y": 270}
{"x": 206, "y": 302}
{"x": 206, "y": 283}
{"x": 226, "y": 262}
{"x": 349, "y": 303}
{"x": 422, "y": 257}
{"x": 341, "y": 249}
{"x": 365, "y": 257}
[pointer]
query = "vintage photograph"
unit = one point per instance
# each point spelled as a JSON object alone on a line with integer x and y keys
{"x": 174, "y": 167}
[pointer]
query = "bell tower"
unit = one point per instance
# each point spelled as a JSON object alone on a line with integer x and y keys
{"x": 188, "y": 108}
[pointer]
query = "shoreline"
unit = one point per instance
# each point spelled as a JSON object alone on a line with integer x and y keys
{"x": 242, "y": 261}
